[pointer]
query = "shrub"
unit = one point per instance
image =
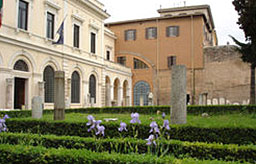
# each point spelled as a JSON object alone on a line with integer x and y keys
{"x": 33, "y": 155}
{"x": 185, "y": 133}
{"x": 120, "y": 145}
{"x": 191, "y": 109}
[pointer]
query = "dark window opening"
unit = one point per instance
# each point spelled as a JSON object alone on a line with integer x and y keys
{"x": 23, "y": 15}
{"x": 76, "y": 35}
{"x": 49, "y": 84}
{"x": 121, "y": 60}
{"x": 130, "y": 35}
{"x": 151, "y": 33}
{"x": 171, "y": 61}
{"x": 172, "y": 31}
{"x": 50, "y": 25}
{"x": 138, "y": 64}
{"x": 20, "y": 65}
{"x": 92, "y": 88}
{"x": 93, "y": 42}
{"x": 75, "y": 88}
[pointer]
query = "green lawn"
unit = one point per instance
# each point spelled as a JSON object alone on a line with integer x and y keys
{"x": 229, "y": 120}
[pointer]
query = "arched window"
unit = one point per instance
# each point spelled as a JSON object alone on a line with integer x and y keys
{"x": 92, "y": 88}
{"x": 20, "y": 65}
{"x": 49, "y": 84}
{"x": 138, "y": 64}
{"x": 75, "y": 87}
{"x": 140, "y": 92}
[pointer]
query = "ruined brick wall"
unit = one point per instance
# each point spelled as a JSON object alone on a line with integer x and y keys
{"x": 224, "y": 79}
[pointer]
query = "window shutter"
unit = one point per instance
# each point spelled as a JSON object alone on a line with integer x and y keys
{"x": 177, "y": 31}
{"x": 155, "y": 32}
{"x": 146, "y": 33}
{"x": 167, "y": 31}
{"x": 134, "y": 33}
{"x": 125, "y": 35}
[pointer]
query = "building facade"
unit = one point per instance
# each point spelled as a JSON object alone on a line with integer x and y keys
{"x": 151, "y": 46}
{"x": 28, "y": 57}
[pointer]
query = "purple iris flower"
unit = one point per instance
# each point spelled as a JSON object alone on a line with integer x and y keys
{"x": 166, "y": 125}
{"x": 100, "y": 130}
{"x": 151, "y": 139}
{"x": 2, "y": 125}
{"x": 154, "y": 127}
{"x": 90, "y": 120}
{"x": 135, "y": 118}
{"x": 122, "y": 127}
{"x": 163, "y": 115}
{"x": 94, "y": 124}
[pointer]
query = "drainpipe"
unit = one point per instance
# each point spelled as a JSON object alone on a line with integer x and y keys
{"x": 192, "y": 61}
{"x": 157, "y": 59}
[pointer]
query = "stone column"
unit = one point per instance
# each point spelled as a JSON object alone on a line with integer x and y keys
{"x": 108, "y": 95}
{"x": 120, "y": 96}
{"x": 68, "y": 97}
{"x": 141, "y": 100}
{"x": 9, "y": 93}
{"x": 41, "y": 89}
{"x": 59, "y": 95}
{"x": 178, "y": 95}
{"x": 111, "y": 88}
{"x": 37, "y": 107}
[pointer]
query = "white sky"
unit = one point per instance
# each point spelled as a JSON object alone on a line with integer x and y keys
{"x": 224, "y": 14}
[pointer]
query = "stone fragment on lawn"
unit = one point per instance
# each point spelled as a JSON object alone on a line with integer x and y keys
{"x": 110, "y": 119}
{"x": 205, "y": 115}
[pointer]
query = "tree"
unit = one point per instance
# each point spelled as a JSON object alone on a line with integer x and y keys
{"x": 249, "y": 56}
{"x": 247, "y": 21}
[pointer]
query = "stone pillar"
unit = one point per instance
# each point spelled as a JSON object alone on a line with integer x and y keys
{"x": 9, "y": 93}
{"x": 41, "y": 89}
{"x": 178, "y": 95}
{"x": 141, "y": 100}
{"x": 108, "y": 95}
{"x": 37, "y": 107}
{"x": 59, "y": 95}
{"x": 68, "y": 97}
{"x": 120, "y": 96}
{"x": 111, "y": 94}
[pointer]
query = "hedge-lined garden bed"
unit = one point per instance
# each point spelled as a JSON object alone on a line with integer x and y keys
{"x": 21, "y": 154}
{"x": 128, "y": 145}
{"x": 233, "y": 135}
{"x": 212, "y": 110}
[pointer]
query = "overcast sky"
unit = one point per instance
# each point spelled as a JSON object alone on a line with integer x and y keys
{"x": 224, "y": 14}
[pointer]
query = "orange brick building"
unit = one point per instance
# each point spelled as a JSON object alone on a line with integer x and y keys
{"x": 151, "y": 46}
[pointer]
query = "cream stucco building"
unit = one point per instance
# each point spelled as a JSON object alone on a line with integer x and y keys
{"x": 28, "y": 58}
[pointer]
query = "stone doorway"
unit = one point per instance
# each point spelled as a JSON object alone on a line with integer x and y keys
{"x": 19, "y": 92}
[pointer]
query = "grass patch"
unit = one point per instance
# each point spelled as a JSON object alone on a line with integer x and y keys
{"x": 230, "y": 120}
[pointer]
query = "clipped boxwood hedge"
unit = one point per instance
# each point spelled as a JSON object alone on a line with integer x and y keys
{"x": 185, "y": 133}
{"x": 211, "y": 109}
{"x": 21, "y": 154}
{"x": 127, "y": 145}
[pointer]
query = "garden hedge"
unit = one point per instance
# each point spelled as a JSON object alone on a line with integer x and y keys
{"x": 128, "y": 145}
{"x": 229, "y": 135}
{"x": 20, "y": 154}
{"x": 211, "y": 109}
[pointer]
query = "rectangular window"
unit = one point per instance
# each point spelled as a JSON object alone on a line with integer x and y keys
{"x": 50, "y": 25}
{"x": 23, "y": 15}
{"x": 93, "y": 42}
{"x": 171, "y": 61}
{"x": 172, "y": 31}
{"x": 130, "y": 35}
{"x": 108, "y": 55}
{"x": 76, "y": 35}
{"x": 121, "y": 60}
{"x": 151, "y": 33}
